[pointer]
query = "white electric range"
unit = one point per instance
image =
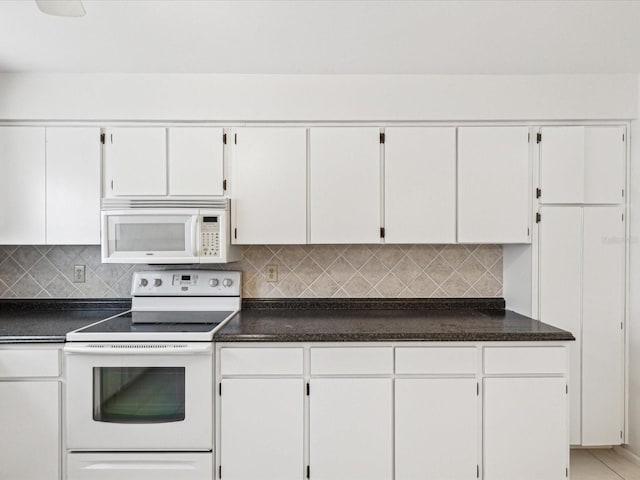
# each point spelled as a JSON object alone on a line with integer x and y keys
{"x": 141, "y": 382}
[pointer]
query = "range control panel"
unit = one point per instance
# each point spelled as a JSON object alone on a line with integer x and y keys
{"x": 176, "y": 283}
{"x": 210, "y": 236}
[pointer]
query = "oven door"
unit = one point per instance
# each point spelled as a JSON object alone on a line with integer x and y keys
{"x": 139, "y": 396}
{"x": 149, "y": 236}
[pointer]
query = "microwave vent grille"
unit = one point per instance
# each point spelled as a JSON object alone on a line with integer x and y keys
{"x": 142, "y": 203}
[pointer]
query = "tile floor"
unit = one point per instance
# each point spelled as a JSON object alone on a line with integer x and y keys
{"x": 602, "y": 464}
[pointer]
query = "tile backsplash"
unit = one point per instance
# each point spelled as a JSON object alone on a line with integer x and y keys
{"x": 30, "y": 271}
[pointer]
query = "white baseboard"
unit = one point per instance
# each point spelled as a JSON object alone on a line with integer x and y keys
{"x": 626, "y": 453}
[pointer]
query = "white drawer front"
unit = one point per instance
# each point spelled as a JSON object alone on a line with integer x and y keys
{"x": 351, "y": 360}
{"x": 141, "y": 466}
{"x": 261, "y": 361}
{"x": 532, "y": 360}
{"x": 436, "y": 360}
{"x": 29, "y": 363}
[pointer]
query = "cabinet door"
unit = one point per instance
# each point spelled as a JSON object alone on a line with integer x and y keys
{"x": 525, "y": 429}
{"x": 436, "y": 429}
{"x": 22, "y": 185}
{"x": 602, "y": 334}
{"x": 605, "y": 156}
{"x": 562, "y": 165}
{"x": 30, "y": 419}
{"x": 345, "y": 185}
{"x": 420, "y": 185}
{"x": 351, "y": 429}
{"x": 261, "y": 430}
{"x": 561, "y": 290}
{"x": 582, "y": 164}
{"x": 195, "y": 161}
{"x": 269, "y": 170}
{"x": 135, "y": 161}
{"x": 73, "y": 178}
{"x": 493, "y": 185}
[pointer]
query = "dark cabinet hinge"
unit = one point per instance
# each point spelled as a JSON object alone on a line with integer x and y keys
{"x": 224, "y": 138}
{"x": 220, "y": 389}
{"x": 538, "y": 192}
{"x": 308, "y": 471}
{"x": 235, "y": 233}
{"x": 538, "y": 217}
{"x": 220, "y": 471}
{"x": 102, "y": 138}
{"x": 538, "y": 137}
{"x": 224, "y": 184}
{"x": 308, "y": 389}
{"x": 382, "y": 137}
{"x": 381, "y": 232}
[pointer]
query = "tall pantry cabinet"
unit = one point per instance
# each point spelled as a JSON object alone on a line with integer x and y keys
{"x": 582, "y": 248}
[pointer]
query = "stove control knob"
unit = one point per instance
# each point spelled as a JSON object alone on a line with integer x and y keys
{"x": 227, "y": 282}
{"x": 214, "y": 282}
{"x": 157, "y": 282}
{"x": 144, "y": 282}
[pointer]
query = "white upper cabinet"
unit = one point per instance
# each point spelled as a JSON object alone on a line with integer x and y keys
{"x": 135, "y": 161}
{"x": 73, "y": 178}
{"x": 420, "y": 185}
{"x": 269, "y": 190}
{"x": 22, "y": 185}
{"x": 345, "y": 185}
{"x": 195, "y": 161}
{"x": 493, "y": 185}
{"x": 582, "y": 165}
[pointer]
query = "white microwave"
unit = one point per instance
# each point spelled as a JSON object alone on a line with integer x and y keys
{"x": 167, "y": 235}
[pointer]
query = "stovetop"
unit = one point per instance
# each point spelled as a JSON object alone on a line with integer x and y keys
{"x": 171, "y": 305}
{"x": 154, "y": 326}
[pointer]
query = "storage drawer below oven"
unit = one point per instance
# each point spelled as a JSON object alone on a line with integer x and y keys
{"x": 139, "y": 466}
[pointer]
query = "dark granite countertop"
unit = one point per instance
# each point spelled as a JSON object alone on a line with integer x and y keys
{"x": 301, "y": 320}
{"x": 364, "y": 320}
{"x": 48, "y": 320}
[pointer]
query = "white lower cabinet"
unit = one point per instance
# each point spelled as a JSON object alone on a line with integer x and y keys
{"x": 405, "y": 411}
{"x": 350, "y": 428}
{"x": 436, "y": 428}
{"x": 525, "y": 429}
{"x": 30, "y": 409}
{"x": 30, "y": 424}
{"x": 141, "y": 466}
{"x": 262, "y": 428}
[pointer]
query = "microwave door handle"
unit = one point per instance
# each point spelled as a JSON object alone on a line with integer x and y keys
{"x": 195, "y": 235}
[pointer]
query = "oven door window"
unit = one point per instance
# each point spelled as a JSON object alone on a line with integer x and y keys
{"x": 138, "y": 394}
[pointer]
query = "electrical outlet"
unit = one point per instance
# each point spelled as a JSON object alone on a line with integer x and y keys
{"x": 272, "y": 273}
{"x": 79, "y": 274}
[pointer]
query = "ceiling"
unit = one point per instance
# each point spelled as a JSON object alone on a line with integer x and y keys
{"x": 324, "y": 37}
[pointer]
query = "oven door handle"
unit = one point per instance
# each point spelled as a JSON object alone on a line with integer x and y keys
{"x": 140, "y": 348}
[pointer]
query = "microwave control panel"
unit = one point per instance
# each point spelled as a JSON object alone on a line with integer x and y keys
{"x": 210, "y": 237}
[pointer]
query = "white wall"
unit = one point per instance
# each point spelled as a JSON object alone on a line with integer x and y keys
{"x": 634, "y": 300}
{"x": 316, "y": 97}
